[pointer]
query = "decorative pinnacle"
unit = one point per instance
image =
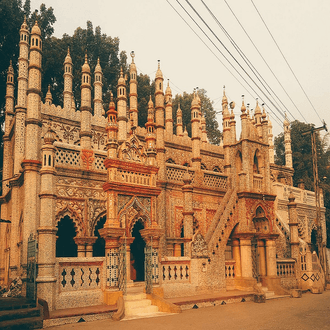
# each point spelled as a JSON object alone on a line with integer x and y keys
{"x": 158, "y": 64}
{"x": 68, "y": 50}
{"x": 111, "y": 96}
{"x": 86, "y": 56}
{"x": 132, "y": 55}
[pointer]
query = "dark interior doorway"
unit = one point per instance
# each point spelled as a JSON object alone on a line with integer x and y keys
{"x": 65, "y": 244}
{"x": 137, "y": 253}
{"x": 99, "y": 245}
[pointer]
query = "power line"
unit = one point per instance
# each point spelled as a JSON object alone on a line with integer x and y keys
{"x": 256, "y": 48}
{"x": 246, "y": 60}
{"x": 285, "y": 59}
{"x": 231, "y": 56}
{"x": 279, "y": 120}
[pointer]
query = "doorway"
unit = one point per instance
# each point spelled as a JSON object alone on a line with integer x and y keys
{"x": 137, "y": 253}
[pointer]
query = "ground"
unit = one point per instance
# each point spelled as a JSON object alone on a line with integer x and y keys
{"x": 312, "y": 311}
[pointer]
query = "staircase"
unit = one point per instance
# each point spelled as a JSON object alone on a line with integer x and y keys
{"x": 19, "y": 314}
{"x": 268, "y": 294}
{"x": 137, "y": 305}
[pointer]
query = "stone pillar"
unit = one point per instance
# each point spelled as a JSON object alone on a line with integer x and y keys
{"x": 188, "y": 213}
{"x": 262, "y": 258}
{"x": 47, "y": 231}
{"x": 85, "y": 246}
{"x": 271, "y": 257}
{"x": 293, "y": 224}
{"x": 246, "y": 257}
{"x": 237, "y": 257}
{"x": 177, "y": 250}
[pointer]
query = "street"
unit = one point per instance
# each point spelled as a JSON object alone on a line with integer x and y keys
{"x": 312, "y": 311}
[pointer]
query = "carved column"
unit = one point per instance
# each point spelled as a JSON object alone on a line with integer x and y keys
{"x": 85, "y": 246}
{"x": 188, "y": 213}
{"x": 271, "y": 257}
{"x": 237, "y": 257}
{"x": 246, "y": 257}
{"x": 293, "y": 223}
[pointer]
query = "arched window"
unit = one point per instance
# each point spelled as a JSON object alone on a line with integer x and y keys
{"x": 65, "y": 244}
{"x": 216, "y": 169}
{"x": 49, "y": 160}
{"x": 170, "y": 160}
{"x": 255, "y": 164}
{"x": 203, "y": 166}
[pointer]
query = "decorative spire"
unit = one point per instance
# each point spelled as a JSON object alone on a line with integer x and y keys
{"x": 121, "y": 80}
{"x": 49, "y": 97}
{"x": 86, "y": 68}
{"x": 68, "y": 59}
{"x": 98, "y": 66}
{"x": 257, "y": 110}
{"x": 243, "y": 107}
{"x": 159, "y": 73}
{"x": 35, "y": 29}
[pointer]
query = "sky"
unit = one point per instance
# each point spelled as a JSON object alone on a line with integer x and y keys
{"x": 155, "y": 31}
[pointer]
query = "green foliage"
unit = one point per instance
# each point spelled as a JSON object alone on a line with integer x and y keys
{"x": 97, "y": 45}
{"x": 11, "y": 18}
{"x": 303, "y": 163}
{"x": 207, "y": 109}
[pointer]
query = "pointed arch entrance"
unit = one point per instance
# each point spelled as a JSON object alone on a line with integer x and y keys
{"x": 137, "y": 253}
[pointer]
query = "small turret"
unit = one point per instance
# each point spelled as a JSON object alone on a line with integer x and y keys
{"x": 98, "y": 103}
{"x": 168, "y": 110}
{"x": 287, "y": 142}
{"x": 133, "y": 110}
{"x": 257, "y": 118}
{"x": 232, "y": 123}
{"x": 204, "y": 133}
{"x": 86, "y": 110}
{"x": 264, "y": 123}
{"x": 151, "y": 137}
{"x": 112, "y": 129}
{"x": 49, "y": 97}
{"x": 68, "y": 77}
{"x": 179, "y": 131}
{"x": 195, "y": 132}
{"x": 244, "y": 120}
{"x": 122, "y": 108}
{"x": 225, "y": 119}
{"x": 270, "y": 141}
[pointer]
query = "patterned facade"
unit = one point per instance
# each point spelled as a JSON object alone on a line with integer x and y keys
{"x": 212, "y": 217}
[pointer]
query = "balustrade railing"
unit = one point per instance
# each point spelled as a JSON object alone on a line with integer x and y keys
{"x": 286, "y": 268}
{"x": 230, "y": 269}
{"x": 76, "y": 274}
{"x": 175, "y": 270}
{"x": 176, "y": 172}
{"x": 215, "y": 180}
{"x": 67, "y": 157}
{"x": 135, "y": 178}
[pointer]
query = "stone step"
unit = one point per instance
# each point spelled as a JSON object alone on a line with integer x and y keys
{"x": 142, "y": 311}
{"x": 279, "y": 297}
{"x": 7, "y": 315}
{"x": 27, "y": 323}
{"x": 269, "y": 294}
{"x": 135, "y": 296}
{"x": 132, "y": 304}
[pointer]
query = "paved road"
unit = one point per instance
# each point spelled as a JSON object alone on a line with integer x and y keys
{"x": 312, "y": 311}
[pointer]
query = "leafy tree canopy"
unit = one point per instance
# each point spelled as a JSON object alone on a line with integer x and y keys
{"x": 303, "y": 163}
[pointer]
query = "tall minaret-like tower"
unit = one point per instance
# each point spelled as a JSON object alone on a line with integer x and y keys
{"x": 168, "y": 110}
{"x": 287, "y": 143}
{"x": 68, "y": 77}
{"x": 151, "y": 137}
{"x": 86, "y": 115}
{"x": 133, "y": 110}
{"x": 121, "y": 108}
{"x": 195, "y": 133}
{"x": 9, "y": 115}
{"x": 226, "y": 131}
{"x": 159, "y": 106}
{"x": 98, "y": 103}
{"x": 22, "y": 83}
{"x": 32, "y": 162}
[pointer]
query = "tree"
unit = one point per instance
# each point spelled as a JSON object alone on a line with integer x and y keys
{"x": 12, "y": 14}
{"x": 212, "y": 126}
{"x": 97, "y": 45}
{"x": 303, "y": 164}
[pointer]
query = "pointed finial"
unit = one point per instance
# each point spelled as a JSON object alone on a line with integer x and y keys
{"x": 86, "y": 56}
{"x": 121, "y": 72}
{"x": 224, "y": 90}
{"x": 68, "y": 50}
{"x": 158, "y": 64}
{"x": 111, "y": 96}
{"x": 132, "y": 55}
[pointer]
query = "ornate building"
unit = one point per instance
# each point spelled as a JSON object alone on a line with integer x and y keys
{"x": 98, "y": 203}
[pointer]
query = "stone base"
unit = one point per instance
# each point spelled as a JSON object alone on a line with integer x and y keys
{"x": 111, "y": 297}
{"x": 259, "y": 298}
{"x": 296, "y": 293}
{"x": 317, "y": 290}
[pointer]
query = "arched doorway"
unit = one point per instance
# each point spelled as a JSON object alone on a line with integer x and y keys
{"x": 137, "y": 253}
{"x": 65, "y": 244}
{"x": 99, "y": 245}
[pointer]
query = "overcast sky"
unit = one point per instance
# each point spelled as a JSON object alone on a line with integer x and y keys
{"x": 155, "y": 31}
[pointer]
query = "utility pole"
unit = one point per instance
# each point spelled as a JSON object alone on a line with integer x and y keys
{"x": 320, "y": 244}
